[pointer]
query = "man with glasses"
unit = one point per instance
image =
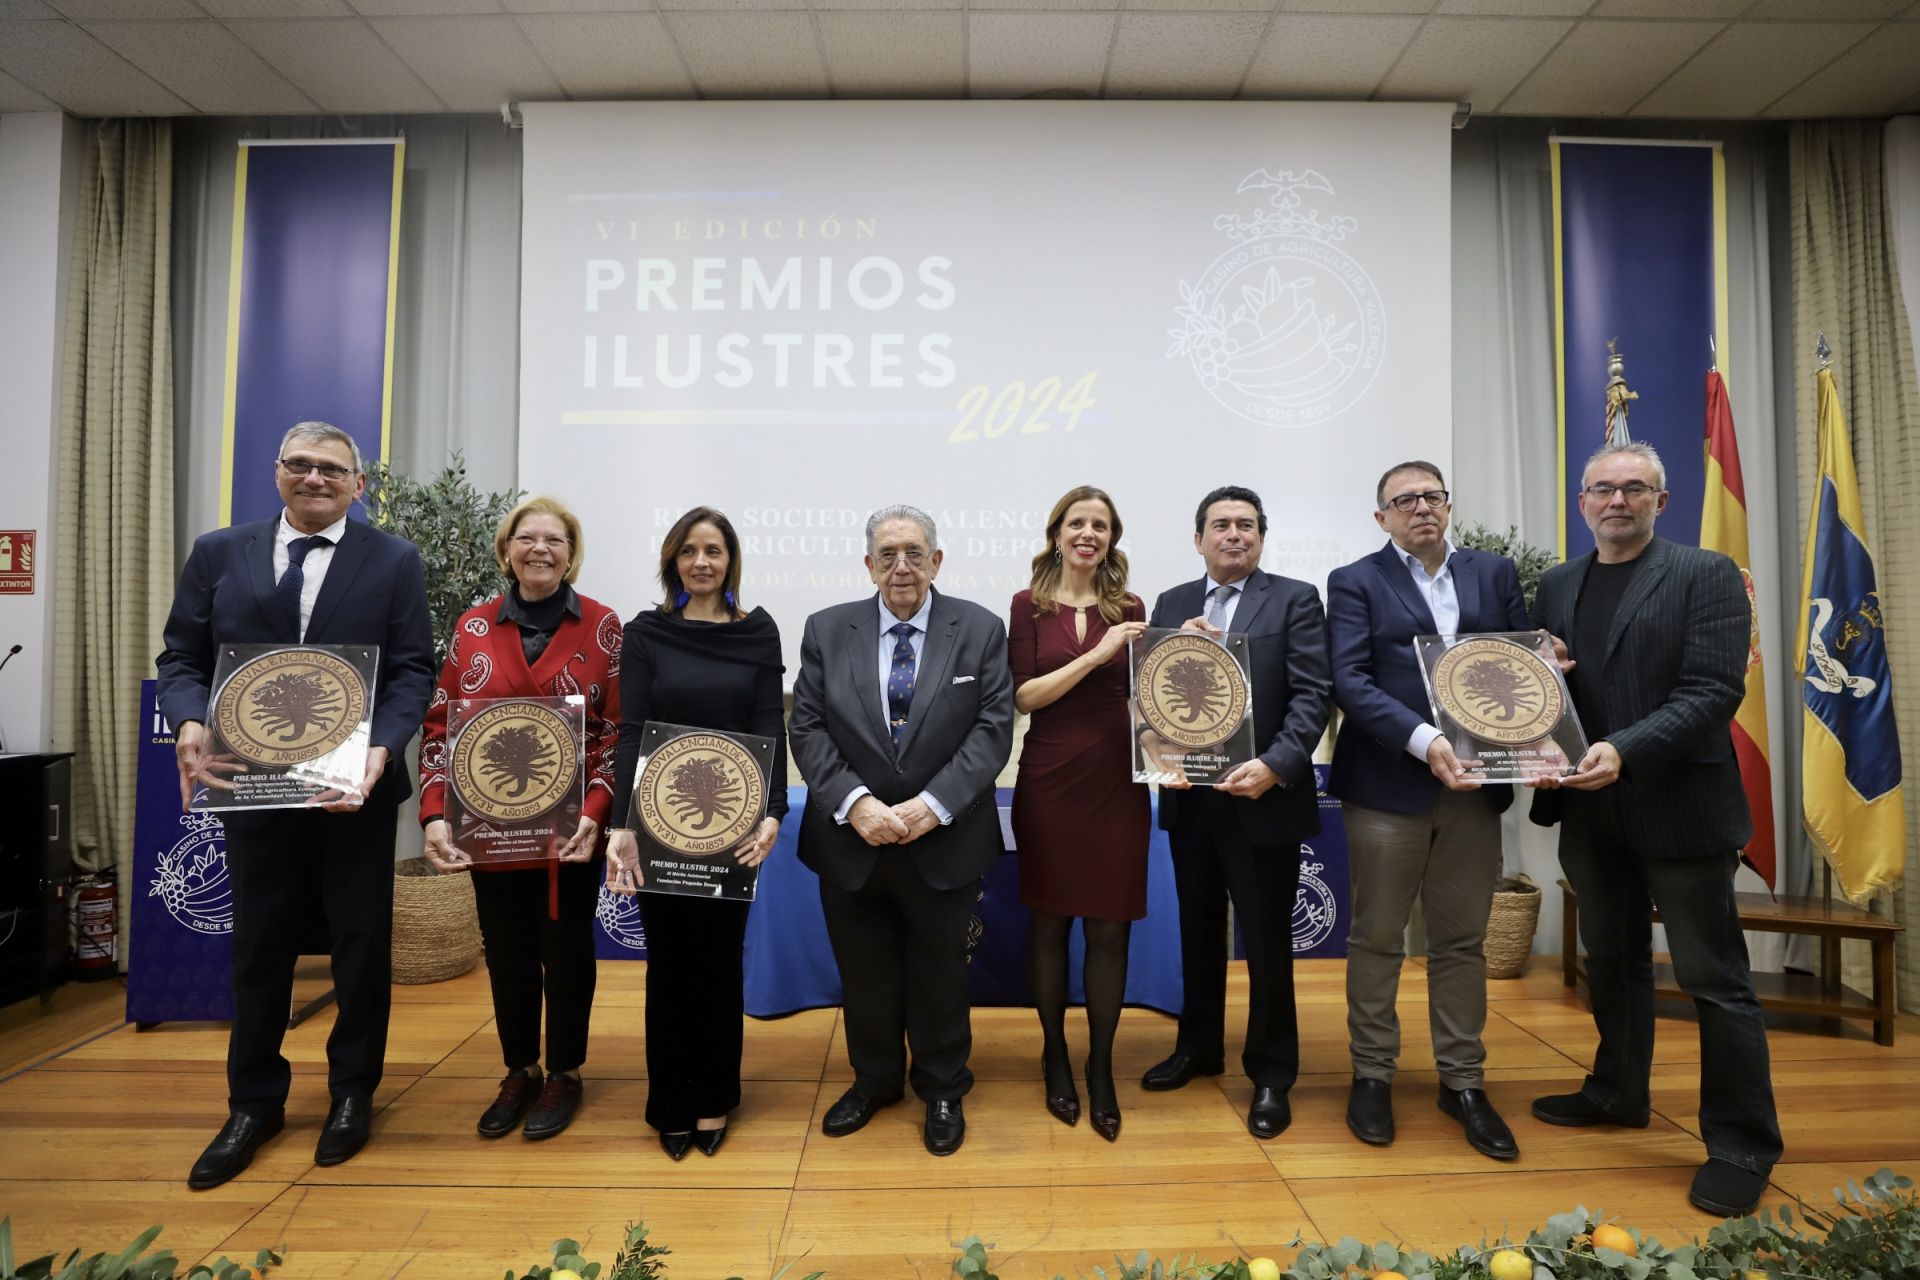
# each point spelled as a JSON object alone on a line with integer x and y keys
{"x": 902, "y": 721}
{"x": 310, "y": 576}
{"x": 1419, "y": 826}
{"x": 1654, "y": 815}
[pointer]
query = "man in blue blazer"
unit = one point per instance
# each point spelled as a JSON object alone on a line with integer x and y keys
{"x": 1418, "y": 825}
{"x": 1654, "y": 815}
{"x": 309, "y": 575}
{"x": 1240, "y": 838}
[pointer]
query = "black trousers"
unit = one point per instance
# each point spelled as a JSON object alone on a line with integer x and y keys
{"x": 695, "y": 985}
{"x": 532, "y": 957}
{"x": 901, "y": 946}
{"x": 1618, "y": 886}
{"x": 1212, "y": 862}
{"x": 285, "y": 870}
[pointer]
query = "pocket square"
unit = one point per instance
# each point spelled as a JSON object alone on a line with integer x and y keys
{"x": 963, "y": 679}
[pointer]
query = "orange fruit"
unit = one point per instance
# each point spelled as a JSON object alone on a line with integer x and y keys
{"x": 1510, "y": 1264}
{"x": 1608, "y": 1236}
{"x": 1388, "y": 1275}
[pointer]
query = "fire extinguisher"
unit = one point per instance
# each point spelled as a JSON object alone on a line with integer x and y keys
{"x": 95, "y": 927}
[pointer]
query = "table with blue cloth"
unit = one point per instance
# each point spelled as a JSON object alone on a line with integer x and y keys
{"x": 789, "y": 962}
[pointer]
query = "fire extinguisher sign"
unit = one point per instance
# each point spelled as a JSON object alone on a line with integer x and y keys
{"x": 16, "y": 562}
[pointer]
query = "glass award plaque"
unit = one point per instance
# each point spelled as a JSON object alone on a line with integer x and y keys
{"x": 288, "y": 725}
{"x": 516, "y": 776}
{"x": 1500, "y": 700}
{"x": 1190, "y": 700}
{"x": 699, "y": 794}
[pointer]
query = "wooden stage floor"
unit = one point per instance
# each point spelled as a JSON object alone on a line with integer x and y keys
{"x": 99, "y": 1124}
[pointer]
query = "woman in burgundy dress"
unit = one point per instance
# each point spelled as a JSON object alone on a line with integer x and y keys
{"x": 1080, "y": 823}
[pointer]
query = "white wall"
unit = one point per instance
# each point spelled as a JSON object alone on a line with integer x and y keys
{"x": 39, "y": 174}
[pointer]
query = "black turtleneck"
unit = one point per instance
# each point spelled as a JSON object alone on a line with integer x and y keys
{"x": 538, "y": 619}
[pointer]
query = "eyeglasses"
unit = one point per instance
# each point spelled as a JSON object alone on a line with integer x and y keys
{"x": 887, "y": 559}
{"x": 1406, "y": 502}
{"x": 329, "y": 471}
{"x": 1633, "y": 491}
{"x": 527, "y": 541}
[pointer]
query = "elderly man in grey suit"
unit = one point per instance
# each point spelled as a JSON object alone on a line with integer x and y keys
{"x": 1653, "y": 815}
{"x": 902, "y": 721}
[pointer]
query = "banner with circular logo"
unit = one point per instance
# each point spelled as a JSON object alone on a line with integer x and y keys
{"x": 698, "y": 798}
{"x": 1190, "y": 704}
{"x": 1500, "y": 699}
{"x": 289, "y": 725}
{"x": 516, "y": 783}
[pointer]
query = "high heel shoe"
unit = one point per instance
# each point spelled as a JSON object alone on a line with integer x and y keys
{"x": 709, "y": 1140}
{"x": 1103, "y": 1105}
{"x": 1063, "y": 1103}
{"x": 676, "y": 1144}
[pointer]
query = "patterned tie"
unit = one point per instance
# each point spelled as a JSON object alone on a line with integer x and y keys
{"x": 900, "y": 679}
{"x": 294, "y": 580}
{"x": 1217, "y": 606}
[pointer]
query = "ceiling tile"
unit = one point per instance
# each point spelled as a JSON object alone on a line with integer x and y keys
{"x": 1026, "y": 6}
{"x": 1217, "y": 6}
{"x": 107, "y": 10}
{"x": 751, "y": 55}
{"x": 610, "y": 55}
{"x": 471, "y": 64}
{"x": 1825, "y": 10}
{"x": 277, "y": 8}
{"x": 1603, "y": 68}
{"x": 1670, "y": 8}
{"x": 1477, "y": 60}
{"x": 339, "y": 63}
{"x": 424, "y": 8}
{"x": 1874, "y": 78}
{"x": 1188, "y": 55}
{"x": 732, "y": 6}
{"x": 1356, "y": 6}
{"x": 205, "y": 64}
{"x": 1309, "y": 55}
{"x": 1748, "y": 66}
{"x": 1516, "y": 8}
{"x": 15, "y": 96}
{"x": 578, "y": 6}
{"x": 23, "y": 10}
{"x": 895, "y": 55}
{"x": 63, "y": 63}
{"x": 889, "y": 4}
{"x": 1010, "y": 55}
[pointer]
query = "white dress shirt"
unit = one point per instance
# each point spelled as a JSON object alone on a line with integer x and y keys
{"x": 917, "y": 638}
{"x": 1443, "y": 602}
{"x": 313, "y": 570}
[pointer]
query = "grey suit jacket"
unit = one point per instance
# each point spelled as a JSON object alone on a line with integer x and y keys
{"x": 959, "y": 734}
{"x": 1675, "y": 663}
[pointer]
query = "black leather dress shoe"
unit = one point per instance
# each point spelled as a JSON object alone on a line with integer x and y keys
{"x": 1487, "y": 1133}
{"x": 946, "y": 1127}
{"x": 709, "y": 1140}
{"x": 1177, "y": 1069}
{"x": 509, "y": 1108}
{"x": 1577, "y": 1111}
{"x": 349, "y": 1124}
{"x": 676, "y": 1144}
{"x": 851, "y": 1113}
{"x": 231, "y": 1150}
{"x": 1370, "y": 1111}
{"x": 1270, "y": 1114}
{"x": 1722, "y": 1187}
{"x": 553, "y": 1111}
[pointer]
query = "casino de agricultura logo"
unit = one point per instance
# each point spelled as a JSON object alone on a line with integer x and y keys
{"x": 1283, "y": 328}
{"x": 191, "y": 880}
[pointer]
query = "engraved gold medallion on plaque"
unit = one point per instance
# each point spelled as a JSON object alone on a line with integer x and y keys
{"x": 1191, "y": 691}
{"x": 700, "y": 793}
{"x": 289, "y": 706}
{"x": 514, "y": 761}
{"x": 1498, "y": 691}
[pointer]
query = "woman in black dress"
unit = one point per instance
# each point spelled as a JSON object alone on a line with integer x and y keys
{"x": 697, "y": 659}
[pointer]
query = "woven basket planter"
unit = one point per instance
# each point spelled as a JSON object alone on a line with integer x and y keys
{"x": 436, "y": 927}
{"x": 1516, "y": 910}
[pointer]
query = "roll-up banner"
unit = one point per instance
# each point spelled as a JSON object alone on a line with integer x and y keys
{"x": 316, "y": 245}
{"x": 1640, "y": 257}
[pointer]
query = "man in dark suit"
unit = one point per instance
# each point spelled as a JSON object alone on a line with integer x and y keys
{"x": 1240, "y": 837}
{"x": 1419, "y": 826}
{"x": 309, "y": 576}
{"x": 902, "y": 721}
{"x": 1653, "y": 815}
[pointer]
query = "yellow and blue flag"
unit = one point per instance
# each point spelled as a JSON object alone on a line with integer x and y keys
{"x": 1850, "y": 756}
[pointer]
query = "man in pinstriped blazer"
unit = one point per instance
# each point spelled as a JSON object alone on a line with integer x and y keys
{"x": 1654, "y": 814}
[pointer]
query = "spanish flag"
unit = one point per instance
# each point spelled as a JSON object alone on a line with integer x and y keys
{"x": 1723, "y": 528}
{"x": 1850, "y": 760}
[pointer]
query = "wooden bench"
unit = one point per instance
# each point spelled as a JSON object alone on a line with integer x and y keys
{"x": 1823, "y": 994}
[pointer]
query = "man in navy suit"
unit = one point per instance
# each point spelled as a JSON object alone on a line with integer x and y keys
{"x": 1240, "y": 837}
{"x": 310, "y": 576}
{"x": 1418, "y": 825}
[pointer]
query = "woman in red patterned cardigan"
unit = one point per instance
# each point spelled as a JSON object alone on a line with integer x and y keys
{"x": 541, "y": 639}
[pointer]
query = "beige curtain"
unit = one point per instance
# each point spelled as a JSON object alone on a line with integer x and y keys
{"x": 115, "y": 495}
{"x": 1845, "y": 285}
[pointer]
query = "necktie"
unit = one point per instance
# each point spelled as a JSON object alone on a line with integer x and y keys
{"x": 900, "y": 680}
{"x": 1217, "y": 606}
{"x": 294, "y": 580}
